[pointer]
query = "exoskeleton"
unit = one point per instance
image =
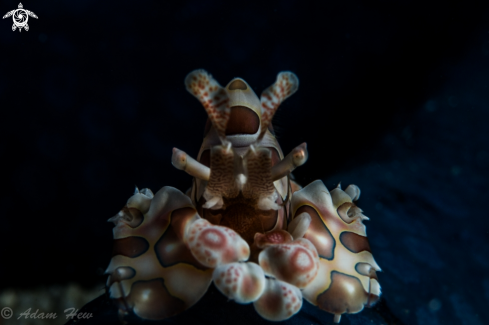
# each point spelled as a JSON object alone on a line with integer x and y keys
{"x": 244, "y": 224}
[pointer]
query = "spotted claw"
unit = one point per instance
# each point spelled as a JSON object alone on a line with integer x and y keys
{"x": 296, "y": 262}
{"x": 346, "y": 280}
{"x": 150, "y": 267}
{"x": 242, "y": 282}
{"x": 279, "y": 301}
{"x": 215, "y": 245}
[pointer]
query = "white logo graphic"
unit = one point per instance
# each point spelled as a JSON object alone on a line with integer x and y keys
{"x": 20, "y": 17}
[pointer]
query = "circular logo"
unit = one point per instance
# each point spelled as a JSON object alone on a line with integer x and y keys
{"x": 20, "y": 17}
{"x": 6, "y": 312}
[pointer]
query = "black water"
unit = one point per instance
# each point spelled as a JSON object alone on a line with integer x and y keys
{"x": 393, "y": 97}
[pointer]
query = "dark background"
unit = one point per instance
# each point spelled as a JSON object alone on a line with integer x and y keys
{"x": 92, "y": 101}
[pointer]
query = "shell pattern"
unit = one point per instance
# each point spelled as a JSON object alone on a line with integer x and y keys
{"x": 245, "y": 225}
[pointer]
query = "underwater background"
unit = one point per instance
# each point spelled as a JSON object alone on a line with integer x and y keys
{"x": 393, "y": 97}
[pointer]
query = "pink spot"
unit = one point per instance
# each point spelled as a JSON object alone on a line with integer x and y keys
{"x": 213, "y": 238}
{"x": 302, "y": 260}
{"x": 275, "y": 237}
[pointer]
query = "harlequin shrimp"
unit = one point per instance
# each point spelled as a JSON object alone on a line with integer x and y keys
{"x": 244, "y": 225}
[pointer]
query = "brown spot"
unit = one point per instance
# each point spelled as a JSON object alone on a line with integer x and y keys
{"x": 318, "y": 233}
{"x": 171, "y": 250}
{"x": 151, "y": 300}
{"x": 237, "y": 84}
{"x": 242, "y": 121}
{"x": 179, "y": 219}
{"x": 354, "y": 243}
{"x": 130, "y": 246}
{"x": 344, "y": 295}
